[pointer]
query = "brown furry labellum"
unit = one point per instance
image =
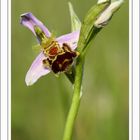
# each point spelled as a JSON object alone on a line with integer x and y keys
{"x": 59, "y": 59}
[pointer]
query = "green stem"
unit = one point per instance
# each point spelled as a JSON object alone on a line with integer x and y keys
{"x": 75, "y": 100}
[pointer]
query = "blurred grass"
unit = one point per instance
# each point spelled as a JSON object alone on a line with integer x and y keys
{"x": 39, "y": 112}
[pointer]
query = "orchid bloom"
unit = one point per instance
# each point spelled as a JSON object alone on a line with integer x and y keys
{"x": 56, "y": 54}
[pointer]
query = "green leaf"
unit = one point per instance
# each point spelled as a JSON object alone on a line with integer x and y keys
{"x": 75, "y": 22}
{"x": 88, "y": 30}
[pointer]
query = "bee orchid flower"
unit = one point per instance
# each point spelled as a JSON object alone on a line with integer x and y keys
{"x": 57, "y": 54}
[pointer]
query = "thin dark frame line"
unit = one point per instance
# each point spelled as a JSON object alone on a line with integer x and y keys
{"x": 132, "y": 66}
{"x": 8, "y": 63}
{"x": 0, "y": 72}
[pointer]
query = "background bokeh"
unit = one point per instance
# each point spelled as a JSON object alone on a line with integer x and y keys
{"x": 39, "y": 112}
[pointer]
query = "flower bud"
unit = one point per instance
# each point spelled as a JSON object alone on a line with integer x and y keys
{"x": 106, "y": 15}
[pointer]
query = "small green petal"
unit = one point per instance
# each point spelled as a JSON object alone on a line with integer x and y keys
{"x": 39, "y": 33}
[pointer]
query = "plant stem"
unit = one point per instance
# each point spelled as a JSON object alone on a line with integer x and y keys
{"x": 75, "y": 100}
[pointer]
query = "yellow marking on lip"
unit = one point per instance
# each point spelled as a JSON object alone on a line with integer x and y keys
{"x": 66, "y": 60}
{"x": 60, "y": 65}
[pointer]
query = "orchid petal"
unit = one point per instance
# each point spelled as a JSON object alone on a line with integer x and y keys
{"x": 36, "y": 70}
{"x": 71, "y": 39}
{"x": 29, "y": 20}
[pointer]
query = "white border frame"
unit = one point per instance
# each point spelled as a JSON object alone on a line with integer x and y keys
{"x": 134, "y": 37}
{"x": 134, "y": 67}
{"x": 4, "y": 70}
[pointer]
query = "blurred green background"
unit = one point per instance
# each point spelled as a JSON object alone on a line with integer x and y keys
{"x": 39, "y": 112}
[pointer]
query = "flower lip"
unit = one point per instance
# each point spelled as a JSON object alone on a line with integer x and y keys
{"x": 63, "y": 62}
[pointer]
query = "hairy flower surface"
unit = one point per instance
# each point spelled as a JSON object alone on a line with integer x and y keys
{"x": 57, "y": 54}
